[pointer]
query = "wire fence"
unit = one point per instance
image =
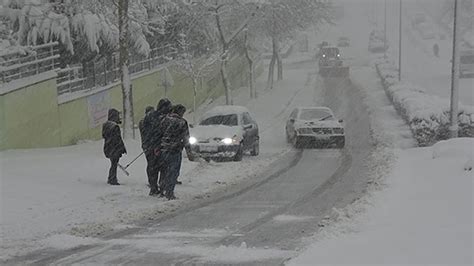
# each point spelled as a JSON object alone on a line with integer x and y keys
{"x": 29, "y": 61}
{"x": 106, "y": 71}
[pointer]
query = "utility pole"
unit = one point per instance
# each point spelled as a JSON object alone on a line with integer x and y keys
{"x": 126, "y": 85}
{"x": 400, "y": 43}
{"x": 376, "y": 14}
{"x": 385, "y": 31}
{"x": 453, "y": 129}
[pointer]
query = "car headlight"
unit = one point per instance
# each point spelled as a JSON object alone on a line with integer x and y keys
{"x": 228, "y": 141}
{"x": 192, "y": 140}
{"x": 305, "y": 131}
{"x": 338, "y": 131}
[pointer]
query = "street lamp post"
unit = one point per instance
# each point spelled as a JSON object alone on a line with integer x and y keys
{"x": 400, "y": 43}
{"x": 385, "y": 31}
{"x": 453, "y": 129}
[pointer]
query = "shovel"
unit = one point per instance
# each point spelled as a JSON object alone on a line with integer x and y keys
{"x": 124, "y": 169}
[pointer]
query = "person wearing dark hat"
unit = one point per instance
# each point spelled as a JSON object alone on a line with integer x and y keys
{"x": 153, "y": 121}
{"x": 113, "y": 144}
{"x": 145, "y": 134}
{"x": 175, "y": 138}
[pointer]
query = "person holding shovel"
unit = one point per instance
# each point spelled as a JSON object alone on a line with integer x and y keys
{"x": 113, "y": 144}
{"x": 153, "y": 122}
{"x": 175, "y": 137}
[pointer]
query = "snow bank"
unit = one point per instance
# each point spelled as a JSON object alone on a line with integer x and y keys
{"x": 461, "y": 149}
{"x": 422, "y": 217}
{"x": 454, "y": 148}
{"x": 427, "y": 115}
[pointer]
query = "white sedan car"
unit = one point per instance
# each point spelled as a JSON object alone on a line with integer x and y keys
{"x": 225, "y": 132}
{"x": 317, "y": 126}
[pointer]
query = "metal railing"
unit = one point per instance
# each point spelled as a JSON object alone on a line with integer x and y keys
{"x": 107, "y": 71}
{"x": 36, "y": 60}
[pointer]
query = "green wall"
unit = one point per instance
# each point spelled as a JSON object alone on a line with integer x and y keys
{"x": 31, "y": 117}
{"x": 3, "y": 136}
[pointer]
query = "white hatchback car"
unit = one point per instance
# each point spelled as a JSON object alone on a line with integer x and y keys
{"x": 308, "y": 126}
{"x": 225, "y": 132}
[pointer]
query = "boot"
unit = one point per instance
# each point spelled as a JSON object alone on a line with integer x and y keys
{"x": 170, "y": 196}
{"x": 154, "y": 191}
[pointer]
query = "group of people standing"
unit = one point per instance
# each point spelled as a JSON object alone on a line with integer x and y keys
{"x": 164, "y": 134}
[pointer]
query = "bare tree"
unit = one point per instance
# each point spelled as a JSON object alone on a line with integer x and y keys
{"x": 218, "y": 10}
{"x": 195, "y": 69}
{"x": 282, "y": 19}
{"x": 251, "y": 67}
{"x": 126, "y": 84}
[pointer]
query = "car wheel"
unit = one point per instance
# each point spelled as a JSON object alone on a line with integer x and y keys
{"x": 239, "y": 155}
{"x": 256, "y": 148}
{"x": 296, "y": 143}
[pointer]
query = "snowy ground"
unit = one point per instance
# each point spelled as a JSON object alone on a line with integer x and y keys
{"x": 419, "y": 65}
{"x": 63, "y": 190}
{"x": 53, "y": 197}
{"x": 423, "y": 215}
{"x": 418, "y": 209}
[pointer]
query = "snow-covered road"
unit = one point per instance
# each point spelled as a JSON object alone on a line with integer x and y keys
{"x": 260, "y": 220}
{"x": 317, "y": 182}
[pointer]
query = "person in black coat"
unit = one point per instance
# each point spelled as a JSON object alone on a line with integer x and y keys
{"x": 153, "y": 122}
{"x": 175, "y": 138}
{"x": 113, "y": 144}
{"x": 146, "y": 134}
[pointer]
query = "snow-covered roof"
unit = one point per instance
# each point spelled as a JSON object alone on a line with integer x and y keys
{"x": 323, "y": 108}
{"x": 225, "y": 110}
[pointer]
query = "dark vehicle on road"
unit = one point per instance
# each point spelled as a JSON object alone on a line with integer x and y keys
{"x": 330, "y": 63}
{"x": 466, "y": 63}
{"x": 376, "y": 42}
{"x": 343, "y": 42}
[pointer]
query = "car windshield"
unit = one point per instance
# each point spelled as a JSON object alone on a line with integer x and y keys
{"x": 315, "y": 114}
{"x": 225, "y": 120}
{"x": 331, "y": 52}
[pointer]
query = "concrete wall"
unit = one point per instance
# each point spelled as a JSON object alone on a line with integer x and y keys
{"x": 32, "y": 116}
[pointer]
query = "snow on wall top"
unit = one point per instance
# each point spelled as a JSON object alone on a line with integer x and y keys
{"x": 27, "y": 81}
